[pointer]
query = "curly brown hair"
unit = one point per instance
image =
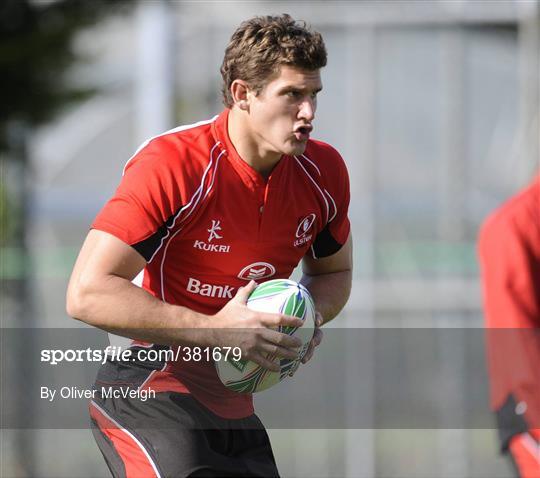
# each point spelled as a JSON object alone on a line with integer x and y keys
{"x": 261, "y": 45}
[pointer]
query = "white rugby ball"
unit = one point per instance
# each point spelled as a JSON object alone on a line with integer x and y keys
{"x": 278, "y": 296}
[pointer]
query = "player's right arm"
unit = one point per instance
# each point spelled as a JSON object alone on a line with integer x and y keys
{"x": 101, "y": 294}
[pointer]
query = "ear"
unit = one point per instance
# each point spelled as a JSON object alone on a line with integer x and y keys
{"x": 239, "y": 93}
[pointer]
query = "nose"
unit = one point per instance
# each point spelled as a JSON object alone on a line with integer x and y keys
{"x": 307, "y": 109}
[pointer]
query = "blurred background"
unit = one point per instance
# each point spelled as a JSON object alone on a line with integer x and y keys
{"x": 433, "y": 104}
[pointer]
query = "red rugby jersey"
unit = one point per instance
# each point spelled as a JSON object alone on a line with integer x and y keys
{"x": 509, "y": 251}
{"x": 207, "y": 223}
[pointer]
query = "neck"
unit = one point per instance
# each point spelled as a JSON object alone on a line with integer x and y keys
{"x": 249, "y": 145}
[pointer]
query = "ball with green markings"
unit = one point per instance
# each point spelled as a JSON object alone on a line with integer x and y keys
{"x": 277, "y": 296}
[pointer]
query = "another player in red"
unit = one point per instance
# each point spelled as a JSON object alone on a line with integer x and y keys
{"x": 509, "y": 249}
{"x": 202, "y": 212}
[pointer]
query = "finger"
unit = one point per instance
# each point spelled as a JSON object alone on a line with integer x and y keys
{"x": 315, "y": 342}
{"x": 261, "y": 360}
{"x": 274, "y": 320}
{"x": 309, "y": 353}
{"x": 244, "y": 292}
{"x": 283, "y": 340}
{"x": 317, "y": 337}
{"x": 278, "y": 351}
{"x": 319, "y": 321}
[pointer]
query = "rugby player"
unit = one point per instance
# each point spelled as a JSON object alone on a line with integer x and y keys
{"x": 203, "y": 212}
{"x": 509, "y": 250}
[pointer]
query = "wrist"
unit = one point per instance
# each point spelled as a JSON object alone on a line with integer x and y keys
{"x": 192, "y": 328}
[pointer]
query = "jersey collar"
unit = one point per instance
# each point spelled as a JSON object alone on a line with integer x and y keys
{"x": 251, "y": 178}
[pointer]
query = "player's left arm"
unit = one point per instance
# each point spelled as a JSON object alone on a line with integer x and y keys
{"x": 329, "y": 281}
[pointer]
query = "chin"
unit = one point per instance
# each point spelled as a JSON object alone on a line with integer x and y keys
{"x": 296, "y": 149}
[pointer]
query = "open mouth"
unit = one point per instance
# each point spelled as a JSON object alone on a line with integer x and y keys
{"x": 302, "y": 132}
{"x": 304, "y": 129}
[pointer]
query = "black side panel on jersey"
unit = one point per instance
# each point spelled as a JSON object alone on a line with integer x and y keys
{"x": 325, "y": 245}
{"x": 147, "y": 247}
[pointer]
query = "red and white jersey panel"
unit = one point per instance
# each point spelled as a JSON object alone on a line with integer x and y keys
{"x": 207, "y": 223}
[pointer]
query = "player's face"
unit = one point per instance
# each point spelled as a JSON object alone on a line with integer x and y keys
{"x": 282, "y": 114}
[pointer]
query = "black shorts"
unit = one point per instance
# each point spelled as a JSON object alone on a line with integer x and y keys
{"x": 173, "y": 435}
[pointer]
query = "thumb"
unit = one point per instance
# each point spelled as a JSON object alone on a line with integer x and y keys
{"x": 319, "y": 321}
{"x": 244, "y": 292}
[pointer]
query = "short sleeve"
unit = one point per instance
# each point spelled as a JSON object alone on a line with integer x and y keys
{"x": 337, "y": 191}
{"x": 507, "y": 268}
{"x": 150, "y": 195}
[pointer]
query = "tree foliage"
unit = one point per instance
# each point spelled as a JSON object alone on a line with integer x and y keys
{"x": 36, "y": 52}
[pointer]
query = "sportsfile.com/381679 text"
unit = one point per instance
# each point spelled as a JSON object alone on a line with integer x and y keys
{"x": 113, "y": 352}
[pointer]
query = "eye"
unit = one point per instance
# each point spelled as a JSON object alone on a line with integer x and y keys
{"x": 294, "y": 94}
